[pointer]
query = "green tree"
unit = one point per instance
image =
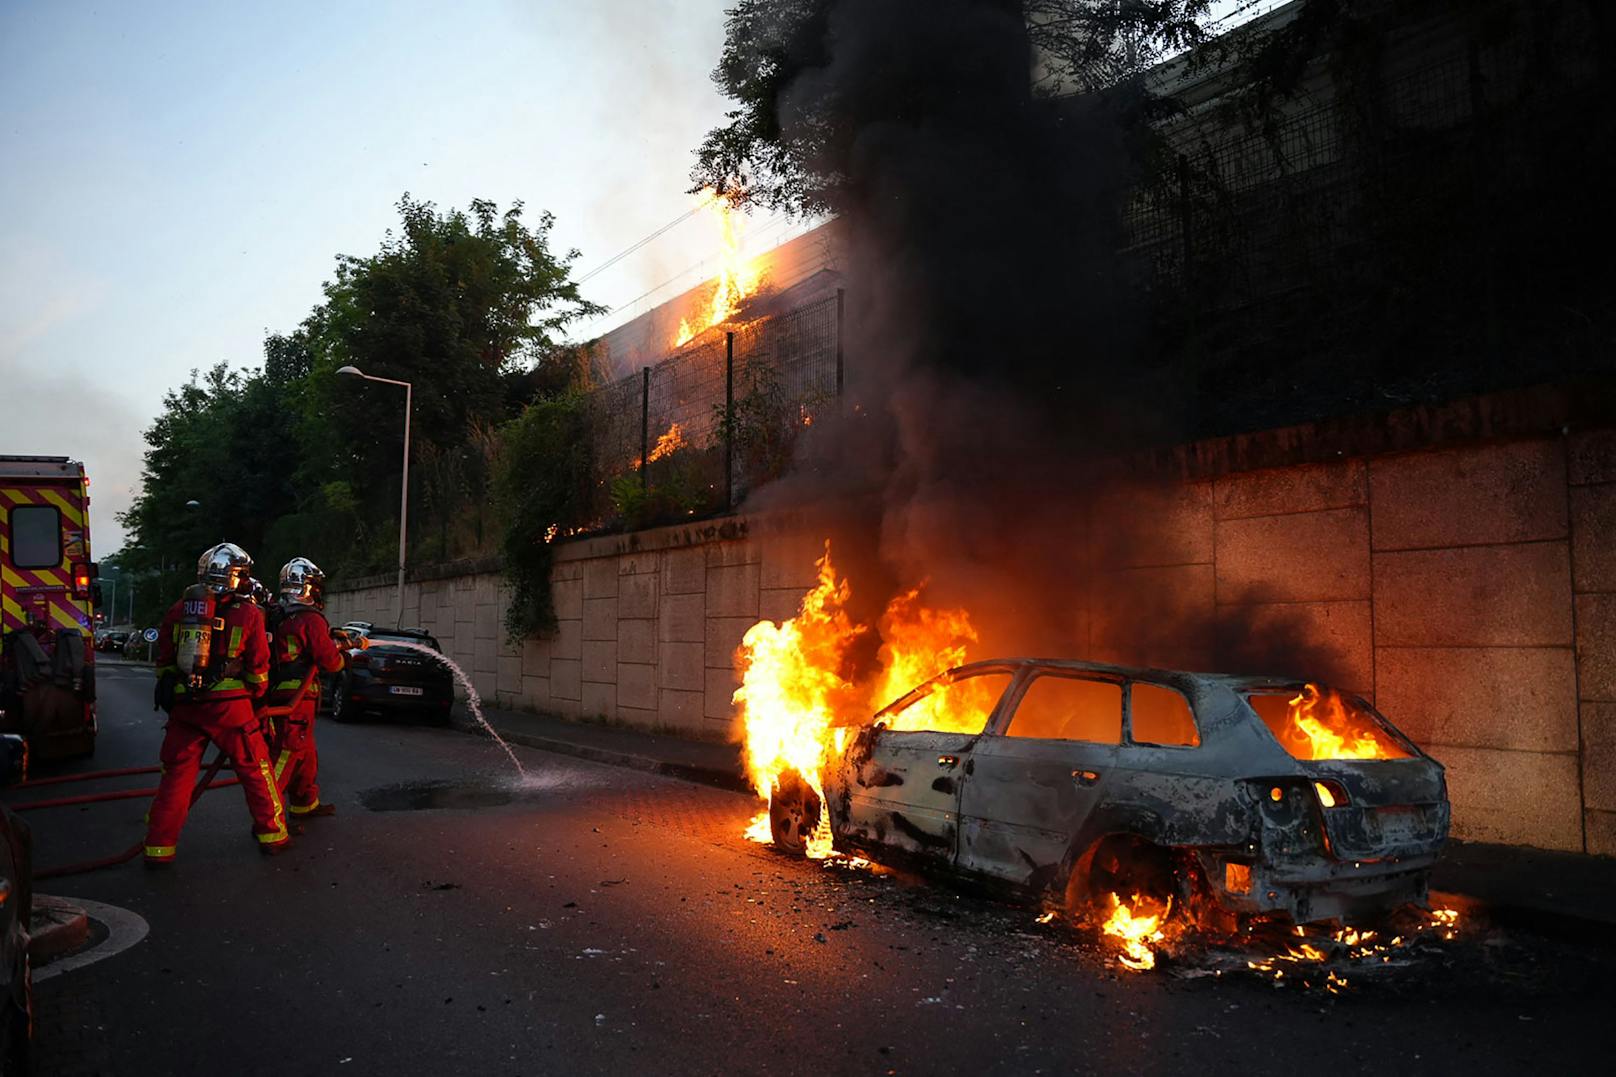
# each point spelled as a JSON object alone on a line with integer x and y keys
{"x": 791, "y": 139}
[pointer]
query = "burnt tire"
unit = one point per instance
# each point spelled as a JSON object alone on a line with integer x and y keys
{"x": 1125, "y": 865}
{"x": 794, "y": 813}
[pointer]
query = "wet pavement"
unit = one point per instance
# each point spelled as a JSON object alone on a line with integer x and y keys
{"x": 599, "y": 919}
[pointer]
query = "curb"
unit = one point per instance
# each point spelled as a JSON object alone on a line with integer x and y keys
{"x": 1545, "y": 923}
{"x": 55, "y": 928}
{"x": 691, "y": 772}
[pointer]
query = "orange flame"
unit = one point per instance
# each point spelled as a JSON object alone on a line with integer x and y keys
{"x": 737, "y": 277}
{"x": 1135, "y": 931}
{"x": 1329, "y": 728}
{"x": 797, "y": 698}
{"x": 669, "y": 443}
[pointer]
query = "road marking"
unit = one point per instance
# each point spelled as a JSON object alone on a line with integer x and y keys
{"x": 124, "y": 929}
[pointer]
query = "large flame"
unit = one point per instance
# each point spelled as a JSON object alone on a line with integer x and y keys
{"x": 737, "y": 278}
{"x": 668, "y": 443}
{"x": 797, "y": 697}
{"x": 792, "y": 684}
{"x": 1326, "y": 727}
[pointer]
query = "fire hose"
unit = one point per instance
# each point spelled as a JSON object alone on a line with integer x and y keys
{"x": 205, "y": 783}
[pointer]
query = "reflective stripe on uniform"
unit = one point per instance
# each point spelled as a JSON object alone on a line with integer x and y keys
{"x": 160, "y": 852}
{"x": 255, "y": 678}
{"x": 234, "y": 647}
{"x": 280, "y": 765}
{"x": 304, "y": 809}
{"x": 279, "y": 835}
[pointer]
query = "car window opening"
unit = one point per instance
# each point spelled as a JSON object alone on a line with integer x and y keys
{"x": 1320, "y": 723}
{"x": 958, "y": 706}
{"x": 1069, "y": 708}
{"x": 1161, "y": 716}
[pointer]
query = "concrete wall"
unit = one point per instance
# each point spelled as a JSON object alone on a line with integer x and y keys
{"x": 1469, "y": 590}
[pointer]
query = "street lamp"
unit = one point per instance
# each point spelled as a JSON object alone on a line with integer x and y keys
{"x": 404, "y": 493}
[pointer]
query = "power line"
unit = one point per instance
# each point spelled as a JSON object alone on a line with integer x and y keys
{"x": 622, "y": 254}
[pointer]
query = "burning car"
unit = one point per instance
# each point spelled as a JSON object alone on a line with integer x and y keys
{"x": 1073, "y": 782}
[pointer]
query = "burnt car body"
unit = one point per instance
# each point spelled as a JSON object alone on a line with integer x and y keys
{"x": 391, "y": 679}
{"x": 1086, "y": 778}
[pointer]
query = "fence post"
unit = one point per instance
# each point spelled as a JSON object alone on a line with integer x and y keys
{"x": 645, "y": 426}
{"x": 729, "y": 420}
{"x": 839, "y": 293}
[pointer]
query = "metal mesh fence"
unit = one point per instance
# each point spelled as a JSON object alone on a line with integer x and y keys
{"x": 711, "y": 420}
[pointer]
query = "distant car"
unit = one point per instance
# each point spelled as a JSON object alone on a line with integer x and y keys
{"x": 137, "y": 648}
{"x": 111, "y": 639}
{"x": 391, "y": 679}
{"x": 1070, "y": 781}
{"x": 16, "y": 906}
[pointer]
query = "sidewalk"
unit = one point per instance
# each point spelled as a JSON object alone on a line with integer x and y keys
{"x": 1565, "y": 894}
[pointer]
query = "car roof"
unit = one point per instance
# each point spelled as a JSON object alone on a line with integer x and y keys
{"x": 1236, "y": 681}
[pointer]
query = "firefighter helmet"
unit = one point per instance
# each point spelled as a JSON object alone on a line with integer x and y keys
{"x": 260, "y": 593}
{"x": 225, "y": 569}
{"x": 302, "y": 583}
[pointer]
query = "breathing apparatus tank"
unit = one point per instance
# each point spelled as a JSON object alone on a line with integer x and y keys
{"x": 220, "y": 572}
{"x": 199, "y": 622}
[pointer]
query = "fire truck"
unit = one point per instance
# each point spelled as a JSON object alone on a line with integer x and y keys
{"x": 47, "y": 619}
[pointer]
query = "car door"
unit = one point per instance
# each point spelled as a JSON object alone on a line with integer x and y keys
{"x": 1038, "y": 774}
{"x": 904, "y": 773}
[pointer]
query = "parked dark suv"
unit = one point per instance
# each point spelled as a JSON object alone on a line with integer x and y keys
{"x": 391, "y": 679}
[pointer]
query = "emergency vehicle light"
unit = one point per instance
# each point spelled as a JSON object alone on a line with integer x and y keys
{"x": 81, "y": 580}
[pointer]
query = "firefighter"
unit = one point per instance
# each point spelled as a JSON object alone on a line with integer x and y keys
{"x": 301, "y": 642}
{"x": 212, "y": 664}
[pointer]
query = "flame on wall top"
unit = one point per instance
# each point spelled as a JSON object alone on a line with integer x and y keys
{"x": 737, "y": 279}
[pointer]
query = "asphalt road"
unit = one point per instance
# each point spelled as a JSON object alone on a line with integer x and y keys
{"x": 604, "y": 920}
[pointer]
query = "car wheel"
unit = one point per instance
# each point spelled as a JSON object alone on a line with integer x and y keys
{"x": 1127, "y": 866}
{"x": 794, "y": 813}
{"x": 342, "y": 704}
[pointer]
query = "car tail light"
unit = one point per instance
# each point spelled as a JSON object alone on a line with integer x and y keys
{"x": 1332, "y": 794}
{"x": 81, "y": 580}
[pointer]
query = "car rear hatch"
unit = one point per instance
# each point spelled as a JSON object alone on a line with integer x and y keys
{"x": 405, "y": 667}
{"x": 1382, "y": 808}
{"x": 1380, "y": 796}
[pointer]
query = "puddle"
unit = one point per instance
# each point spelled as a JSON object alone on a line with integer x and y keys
{"x": 465, "y": 795}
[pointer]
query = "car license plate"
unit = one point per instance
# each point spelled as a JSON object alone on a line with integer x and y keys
{"x": 1399, "y": 824}
{"x": 404, "y": 690}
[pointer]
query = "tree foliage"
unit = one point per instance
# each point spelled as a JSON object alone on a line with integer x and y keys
{"x": 293, "y": 459}
{"x": 792, "y": 138}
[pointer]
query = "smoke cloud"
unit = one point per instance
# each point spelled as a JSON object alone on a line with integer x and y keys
{"x": 993, "y": 356}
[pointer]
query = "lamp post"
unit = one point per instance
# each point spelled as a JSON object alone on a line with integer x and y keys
{"x": 404, "y": 493}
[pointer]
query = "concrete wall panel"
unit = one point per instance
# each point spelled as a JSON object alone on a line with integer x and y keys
{"x": 1276, "y": 491}
{"x": 636, "y": 686}
{"x": 1593, "y": 537}
{"x": 1302, "y": 557}
{"x": 1326, "y": 641}
{"x": 600, "y": 661}
{"x": 1596, "y": 647}
{"x": 637, "y": 595}
{"x": 1484, "y": 697}
{"x": 1593, "y": 456}
{"x": 1515, "y": 492}
{"x": 1516, "y": 798}
{"x": 682, "y": 619}
{"x": 1153, "y": 525}
{"x": 1156, "y": 616}
{"x": 680, "y": 665}
{"x": 1488, "y": 596}
{"x": 732, "y": 591}
{"x": 684, "y": 572}
{"x": 636, "y": 641}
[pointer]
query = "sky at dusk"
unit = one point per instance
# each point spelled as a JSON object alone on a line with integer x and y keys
{"x": 179, "y": 177}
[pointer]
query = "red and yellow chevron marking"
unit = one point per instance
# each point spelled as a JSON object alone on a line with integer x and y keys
{"x": 19, "y": 588}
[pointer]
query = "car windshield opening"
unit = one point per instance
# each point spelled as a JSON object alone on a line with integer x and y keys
{"x": 959, "y": 706}
{"x": 1321, "y": 723}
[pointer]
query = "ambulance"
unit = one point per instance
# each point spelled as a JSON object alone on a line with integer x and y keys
{"x": 47, "y": 610}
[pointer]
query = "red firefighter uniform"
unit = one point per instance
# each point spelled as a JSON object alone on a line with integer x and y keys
{"x": 220, "y": 712}
{"x": 302, "y": 641}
